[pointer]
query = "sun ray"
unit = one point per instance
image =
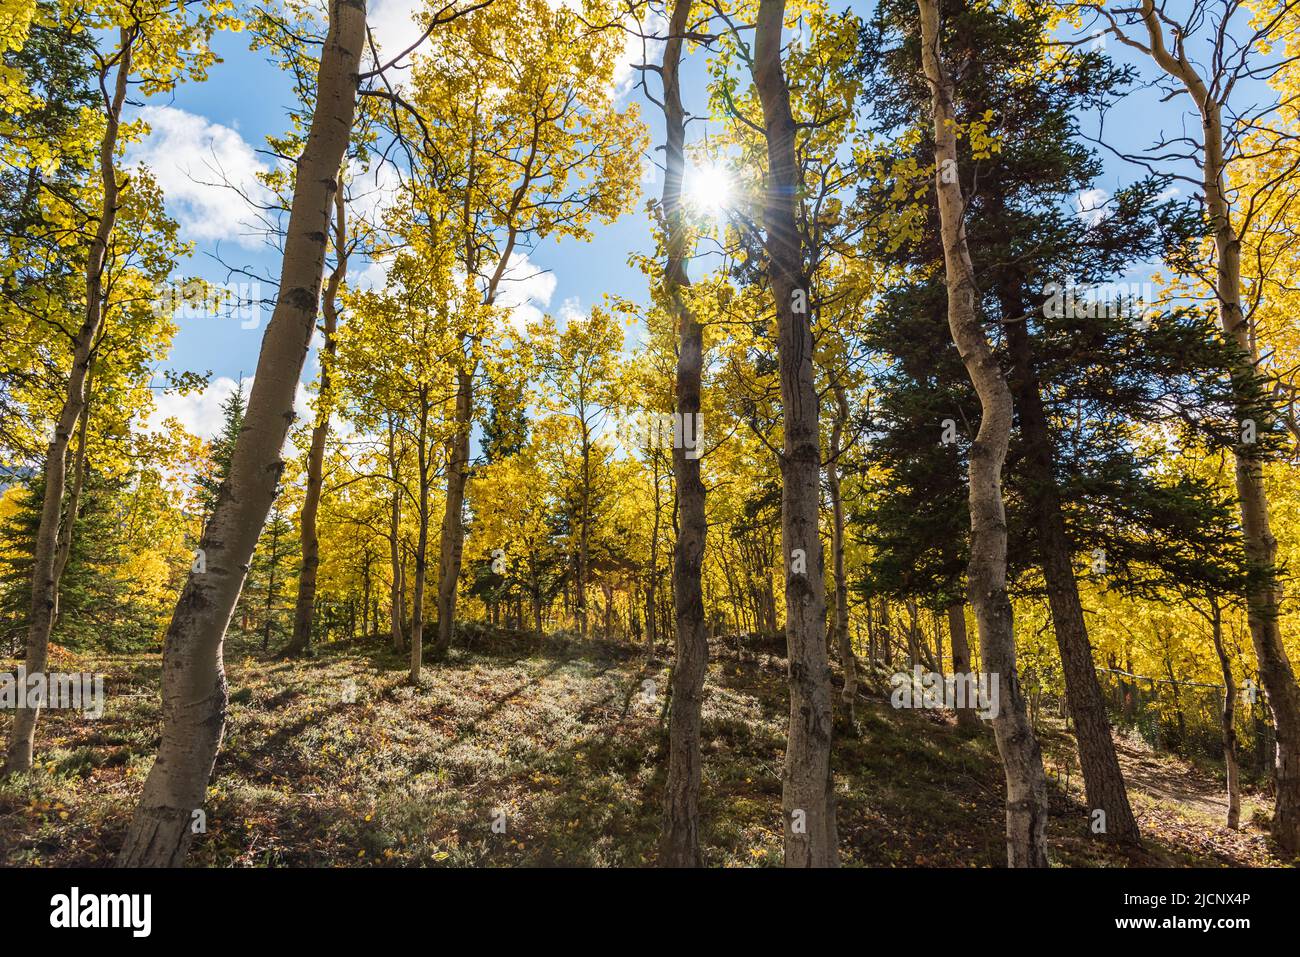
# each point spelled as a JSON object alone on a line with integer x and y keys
{"x": 709, "y": 188}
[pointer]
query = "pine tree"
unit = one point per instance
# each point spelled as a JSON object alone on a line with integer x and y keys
{"x": 209, "y": 481}
{"x": 1084, "y": 376}
{"x": 160, "y": 833}
{"x": 264, "y": 601}
{"x": 97, "y": 609}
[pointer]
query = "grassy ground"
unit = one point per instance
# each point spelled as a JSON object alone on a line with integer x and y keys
{"x": 336, "y": 761}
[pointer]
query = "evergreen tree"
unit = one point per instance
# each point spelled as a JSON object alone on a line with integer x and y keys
{"x": 264, "y": 603}
{"x": 97, "y": 608}
{"x": 1086, "y": 376}
{"x": 505, "y": 430}
{"x": 209, "y": 481}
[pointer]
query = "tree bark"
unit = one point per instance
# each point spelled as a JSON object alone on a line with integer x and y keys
{"x": 1102, "y": 778}
{"x": 808, "y": 798}
{"x": 63, "y": 550}
{"x": 886, "y": 633}
{"x": 421, "y": 545}
{"x": 608, "y": 592}
{"x": 680, "y": 842}
{"x": 913, "y": 635}
{"x": 987, "y": 568}
{"x": 651, "y": 618}
{"x": 967, "y": 718}
{"x": 396, "y": 601}
{"x": 365, "y": 595}
{"x": 584, "y": 535}
{"x": 268, "y": 608}
{"x": 194, "y": 697}
{"x": 302, "y": 616}
{"x": 45, "y": 556}
{"x": 1229, "y": 718}
{"x": 1263, "y": 591}
{"x": 840, "y": 631}
{"x": 453, "y": 529}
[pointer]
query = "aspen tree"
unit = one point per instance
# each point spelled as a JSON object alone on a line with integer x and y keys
{"x": 808, "y": 799}
{"x": 194, "y": 695}
{"x": 157, "y": 44}
{"x": 987, "y": 570}
{"x": 680, "y": 843}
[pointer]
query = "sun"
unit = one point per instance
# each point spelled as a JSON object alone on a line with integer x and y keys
{"x": 709, "y": 188}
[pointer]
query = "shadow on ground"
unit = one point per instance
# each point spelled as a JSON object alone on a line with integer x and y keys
{"x": 518, "y": 751}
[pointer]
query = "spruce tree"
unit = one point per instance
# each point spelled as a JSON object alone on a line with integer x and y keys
{"x": 209, "y": 482}
{"x": 1086, "y": 377}
{"x": 97, "y": 610}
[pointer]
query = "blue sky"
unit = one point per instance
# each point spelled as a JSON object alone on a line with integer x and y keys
{"x": 224, "y": 121}
{"x": 221, "y": 122}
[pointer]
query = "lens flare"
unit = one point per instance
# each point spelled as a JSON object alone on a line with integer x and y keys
{"x": 709, "y": 188}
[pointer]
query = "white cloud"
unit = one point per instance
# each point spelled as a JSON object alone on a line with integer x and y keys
{"x": 373, "y": 276}
{"x": 525, "y": 290}
{"x": 371, "y": 192}
{"x": 571, "y": 311}
{"x": 395, "y": 28}
{"x": 1091, "y": 206}
{"x": 199, "y": 413}
{"x": 635, "y": 50}
{"x": 193, "y": 159}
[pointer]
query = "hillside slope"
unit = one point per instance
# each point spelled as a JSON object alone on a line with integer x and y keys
{"x": 336, "y": 761}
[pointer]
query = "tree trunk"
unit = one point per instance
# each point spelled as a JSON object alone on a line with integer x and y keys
{"x": 651, "y": 618}
{"x": 63, "y": 550}
{"x": 194, "y": 683}
{"x": 872, "y": 645}
{"x": 1102, "y": 778}
{"x": 1263, "y": 590}
{"x": 300, "y": 643}
{"x": 987, "y": 567}
{"x": 584, "y": 537}
{"x": 1229, "y": 718}
{"x": 886, "y": 633}
{"x": 45, "y": 556}
{"x": 607, "y": 609}
{"x": 453, "y": 529}
{"x": 808, "y": 798}
{"x": 840, "y": 634}
{"x": 396, "y": 601}
{"x": 938, "y": 643}
{"x": 365, "y": 596}
{"x": 913, "y": 635}
{"x": 680, "y": 843}
{"x": 421, "y": 547}
{"x": 268, "y": 609}
{"x": 966, "y": 717}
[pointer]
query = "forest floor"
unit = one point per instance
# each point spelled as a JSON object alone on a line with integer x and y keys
{"x": 337, "y": 761}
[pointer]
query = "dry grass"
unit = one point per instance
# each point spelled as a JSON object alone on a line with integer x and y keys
{"x": 559, "y": 740}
